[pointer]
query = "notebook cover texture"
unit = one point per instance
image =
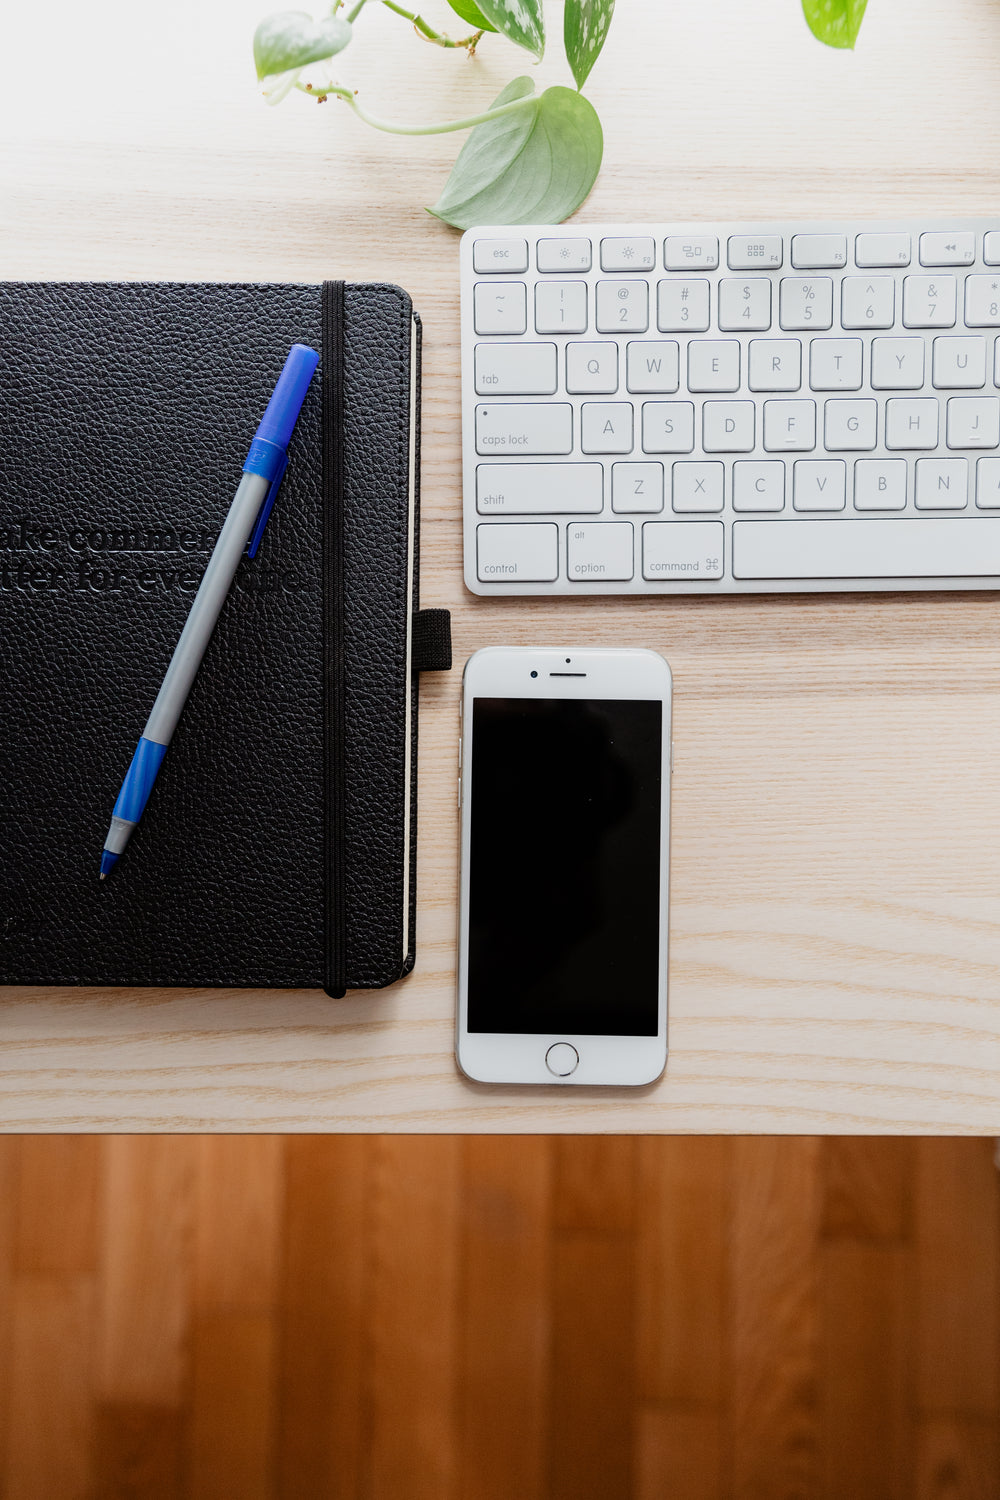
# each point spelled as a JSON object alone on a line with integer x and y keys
{"x": 278, "y": 847}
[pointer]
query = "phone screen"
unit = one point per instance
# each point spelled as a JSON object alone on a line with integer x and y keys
{"x": 564, "y": 872}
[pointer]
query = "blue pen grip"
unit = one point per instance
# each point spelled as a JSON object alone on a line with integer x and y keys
{"x": 139, "y": 780}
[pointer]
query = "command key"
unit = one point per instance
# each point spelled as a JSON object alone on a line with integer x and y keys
{"x": 675, "y": 550}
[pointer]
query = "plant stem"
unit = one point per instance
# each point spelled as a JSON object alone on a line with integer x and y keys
{"x": 321, "y": 91}
{"x": 425, "y": 28}
{"x": 355, "y": 11}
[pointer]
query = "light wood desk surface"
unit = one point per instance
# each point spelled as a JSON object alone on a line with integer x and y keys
{"x": 835, "y": 923}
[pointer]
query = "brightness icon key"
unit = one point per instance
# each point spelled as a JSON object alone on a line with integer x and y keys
{"x": 563, "y": 255}
{"x": 631, "y": 254}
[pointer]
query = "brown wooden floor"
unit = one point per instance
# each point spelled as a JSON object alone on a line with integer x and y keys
{"x": 228, "y": 1318}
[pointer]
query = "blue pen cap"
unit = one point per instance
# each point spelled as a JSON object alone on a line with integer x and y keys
{"x": 278, "y": 422}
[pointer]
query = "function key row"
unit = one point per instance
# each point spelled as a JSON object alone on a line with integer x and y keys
{"x": 808, "y": 252}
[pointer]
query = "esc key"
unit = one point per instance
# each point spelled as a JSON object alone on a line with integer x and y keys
{"x": 499, "y": 255}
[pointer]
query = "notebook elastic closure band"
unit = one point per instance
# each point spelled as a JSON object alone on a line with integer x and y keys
{"x": 334, "y": 658}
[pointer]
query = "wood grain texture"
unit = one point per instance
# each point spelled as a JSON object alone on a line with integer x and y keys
{"x": 50, "y": 1388}
{"x": 145, "y": 1291}
{"x": 685, "y": 1192}
{"x": 322, "y": 1402}
{"x": 835, "y": 925}
{"x": 775, "y": 1441}
{"x": 435, "y": 1327}
{"x": 505, "y": 1323}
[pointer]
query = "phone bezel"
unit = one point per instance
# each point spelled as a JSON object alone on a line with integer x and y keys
{"x": 610, "y": 673}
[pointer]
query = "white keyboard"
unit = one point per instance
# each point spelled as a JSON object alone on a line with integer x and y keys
{"x": 731, "y": 408}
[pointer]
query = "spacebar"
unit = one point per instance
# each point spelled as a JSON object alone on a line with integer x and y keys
{"x": 901, "y": 548}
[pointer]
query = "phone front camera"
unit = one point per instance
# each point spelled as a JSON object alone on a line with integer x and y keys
{"x": 534, "y": 674}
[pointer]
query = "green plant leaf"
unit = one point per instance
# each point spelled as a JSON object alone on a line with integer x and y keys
{"x": 835, "y": 22}
{"x": 534, "y": 165}
{"x": 291, "y": 39}
{"x": 471, "y": 13}
{"x": 521, "y": 21}
{"x": 585, "y": 26}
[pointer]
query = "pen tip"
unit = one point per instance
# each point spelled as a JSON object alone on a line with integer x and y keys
{"x": 103, "y": 876}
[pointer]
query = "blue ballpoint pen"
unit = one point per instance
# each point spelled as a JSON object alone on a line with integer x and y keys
{"x": 247, "y": 518}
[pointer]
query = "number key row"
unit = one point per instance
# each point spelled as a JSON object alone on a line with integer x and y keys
{"x": 684, "y": 304}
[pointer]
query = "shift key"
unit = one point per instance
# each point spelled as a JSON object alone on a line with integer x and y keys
{"x": 532, "y": 427}
{"x": 539, "y": 489}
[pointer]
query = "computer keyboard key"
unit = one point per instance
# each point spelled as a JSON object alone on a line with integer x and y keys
{"x": 959, "y": 363}
{"x": 882, "y": 249}
{"x": 622, "y": 306}
{"x": 988, "y": 483}
{"x": 563, "y": 255}
{"x": 744, "y": 304}
{"x": 674, "y": 551}
{"x": 880, "y": 484}
{"x": 819, "y": 484}
{"x": 500, "y": 307}
{"x": 652, "y": 367}
{"x": 982, "y": 301}
{"x": 974, "y": 422}
{"x": 592, "y": 369}
{"x": 941, "y": 483}
{"x": 532, "y": 428}
{"x": 775, "y": 365}
{"x": 991, "y": 247}
{"x": 806, "y": 304}
{"x": 713, "y": 365}
{"x": 789, "y": 426}
{"x": 539, "y": 489}
{"x": 637, "y": 487}
{"x": 835, "y": 364}
{"x": 759, "y": 485}
{"x": 561, "y": 307}
{"x": 897, "y": 364}
{"x": 813, "y": 252}
{"x": 938, "y": 248}
{"x": 667, "y": 426}
{"x": 500, "y": 255}
{"x": 601, "y": 550}
{"x": 755, "y": 252}
{"x": 606, "y": 427}
{"x": 515, "y": 553}
{"x": 515, "y": 369}
{"x": 697, "y": 486}
{"x": 628, "y": 254}
{"x": 867, "y": 301}
{"x": 900, "y": 547}
{"x": 682, "y": 306}
{"x": 929, "y": 301}
{"x": 728, "y": 426}
{"x": 682, "y": 252}
{"x": 850, "y": 425}
{"x": 911, "y": 422}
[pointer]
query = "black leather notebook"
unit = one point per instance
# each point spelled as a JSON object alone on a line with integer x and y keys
{"x": 279, "y": 845}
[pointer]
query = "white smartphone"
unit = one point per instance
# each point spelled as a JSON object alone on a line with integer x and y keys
{"x": 565, "y": 794}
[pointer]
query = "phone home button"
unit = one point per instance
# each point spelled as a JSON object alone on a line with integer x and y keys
{"x": 561, "y": 1059}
